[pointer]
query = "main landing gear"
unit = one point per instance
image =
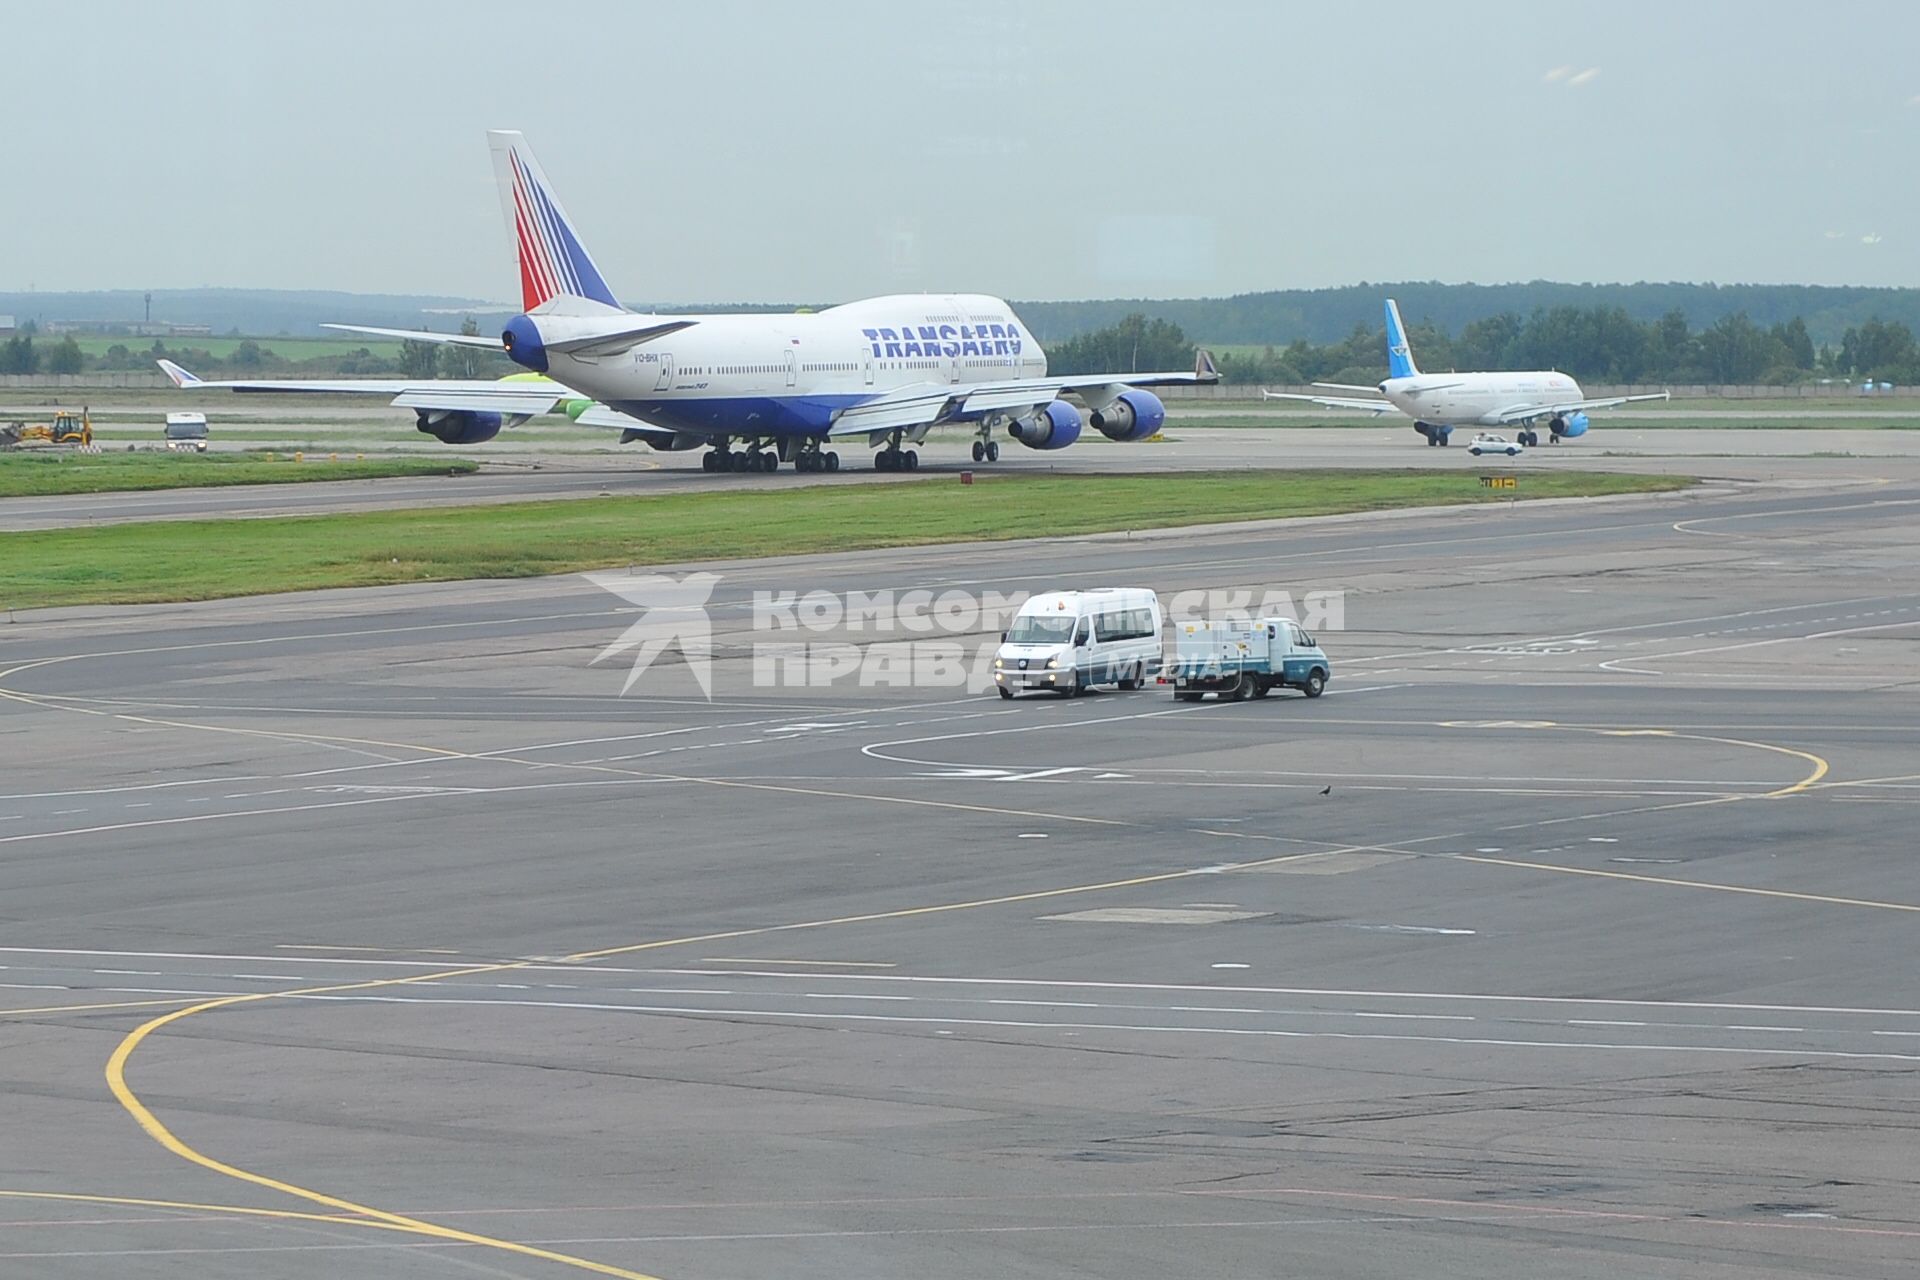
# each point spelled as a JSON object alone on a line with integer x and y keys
{"x": 986, "y": 448}
{"x": 812, "y": 458}
{"x": 742, "y": 460}
{"x": 758, "y": 457}
{"x": 894, "y": 458}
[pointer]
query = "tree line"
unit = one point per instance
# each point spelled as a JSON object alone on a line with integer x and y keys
{"x": 1599, "y": 344}
{"x": 1329, "y": 315}
{"x": 18, "y": 354}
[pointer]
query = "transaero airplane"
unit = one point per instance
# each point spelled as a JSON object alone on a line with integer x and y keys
{"x": 753, "y": 390}
{"x": 1439, "y": 402}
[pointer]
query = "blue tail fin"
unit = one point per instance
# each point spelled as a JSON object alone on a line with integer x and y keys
{"x": 1399, "y": 355}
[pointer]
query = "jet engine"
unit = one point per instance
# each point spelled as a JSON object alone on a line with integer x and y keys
{"x": 458, "y": 426}
{"x": 1574, "y": 424}
{"x": 1054, "y": 426}
{"x": 1133, "y": 415}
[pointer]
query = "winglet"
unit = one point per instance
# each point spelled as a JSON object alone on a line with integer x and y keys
{"x": 1399, "y": 355}
{"x": 180, "y": 377}
{"x": 1203, "y": 366}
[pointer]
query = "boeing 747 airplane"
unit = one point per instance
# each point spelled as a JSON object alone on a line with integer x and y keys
{"x": 753, "y": 390}
{"x": 1439, "y": 402}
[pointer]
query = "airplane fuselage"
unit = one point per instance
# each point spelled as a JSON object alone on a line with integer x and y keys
{"x": 1477, "y": 399}
{"x": 789, "y": 374}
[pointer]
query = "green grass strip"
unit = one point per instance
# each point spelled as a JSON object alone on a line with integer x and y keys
{"x": 208, "y": 559}
{"x": 28, "y": 473}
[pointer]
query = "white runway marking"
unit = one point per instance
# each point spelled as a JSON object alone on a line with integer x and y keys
{"x": 1124, "y": 1027}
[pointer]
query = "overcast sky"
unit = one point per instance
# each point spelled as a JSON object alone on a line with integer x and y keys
{"x": 741, "y": 151}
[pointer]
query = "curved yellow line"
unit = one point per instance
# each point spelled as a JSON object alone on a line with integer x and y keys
{"x": 124, "y": 1094}
{"x": 116, "y": 1071}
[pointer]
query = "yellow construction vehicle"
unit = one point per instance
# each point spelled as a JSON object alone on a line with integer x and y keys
{"x": 69, "y": 427}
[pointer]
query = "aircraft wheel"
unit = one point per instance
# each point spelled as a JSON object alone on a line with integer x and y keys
{"x": 832, "y": 460}
{"x": 912, "y": 459}
{"x": 979, "y": 452}
{"x": 993, "y": 451}
{"x": 706, "y": 461}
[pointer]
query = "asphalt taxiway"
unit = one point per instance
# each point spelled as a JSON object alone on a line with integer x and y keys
{"x": 376, "y": 931}
{"x": 513, "y": 471}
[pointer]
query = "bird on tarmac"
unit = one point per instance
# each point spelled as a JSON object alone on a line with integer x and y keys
{"x": 1327, "y": 790}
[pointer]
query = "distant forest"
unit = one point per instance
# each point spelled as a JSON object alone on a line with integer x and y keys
{"x": 1330, "y": 315}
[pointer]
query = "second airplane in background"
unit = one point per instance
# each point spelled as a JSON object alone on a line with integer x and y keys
{"x": 1439, "y": 402}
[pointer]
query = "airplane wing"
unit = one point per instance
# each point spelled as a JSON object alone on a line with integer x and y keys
{"x": 604, "y": 343}
{"x": 523, "y": 398}
{"x": 1528, "y": 412}
{"x": 1375, "y": 407}
{"x": 930, "y": 404}
{"x": 422, "y": 335}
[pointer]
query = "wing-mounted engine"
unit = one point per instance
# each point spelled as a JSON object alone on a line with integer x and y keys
{"x": 1131, "y": 415}
{"x": 1570, "y": 425}
{"x": 458, "y": 426}
{"x": 1054, "y": 425}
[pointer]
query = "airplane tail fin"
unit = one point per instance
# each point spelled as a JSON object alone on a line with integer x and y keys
{"x": 1399, "y": 355}
{"x": 555, "y": 268}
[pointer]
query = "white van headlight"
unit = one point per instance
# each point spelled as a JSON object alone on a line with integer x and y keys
{"x": 1052, "y": 663}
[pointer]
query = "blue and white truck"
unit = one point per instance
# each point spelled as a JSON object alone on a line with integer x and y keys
{"x": 1239, "y": 660}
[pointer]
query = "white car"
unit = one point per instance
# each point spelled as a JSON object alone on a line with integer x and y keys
{"x": 1484, "y": 443}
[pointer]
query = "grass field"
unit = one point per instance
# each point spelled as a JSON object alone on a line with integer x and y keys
{"x": 198, "y": 560}
{"x": 27, "y": 473}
